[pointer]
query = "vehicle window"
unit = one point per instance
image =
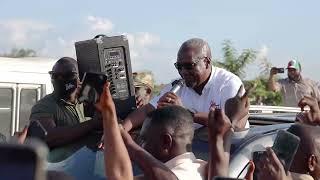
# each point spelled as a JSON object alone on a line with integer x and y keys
{"x": 28, "y": 97}
{"x": 6, "y": 96}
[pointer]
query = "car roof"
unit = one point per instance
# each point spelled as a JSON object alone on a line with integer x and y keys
{"x": 27, "y": 65}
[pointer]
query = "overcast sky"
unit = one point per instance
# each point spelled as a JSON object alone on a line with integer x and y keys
{"x": 280, "y": 30}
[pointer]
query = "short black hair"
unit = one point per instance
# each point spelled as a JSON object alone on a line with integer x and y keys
{"x": 176, "y": 118}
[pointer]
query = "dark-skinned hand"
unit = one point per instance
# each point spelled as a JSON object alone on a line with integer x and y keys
{"x": 273, "y": 71}
{"x": 311, "y": 117}
{"x": 169, "y": 99}
{"x": 219, "y": 124}
{"x": 127, "y": 139}
{"x": 237, "y": 109}
{"x": 270, "y": 167}
{"x": 251, "y": 168}
{"x": 105, "y": 103}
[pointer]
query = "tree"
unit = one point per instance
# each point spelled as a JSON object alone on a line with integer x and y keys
{"x": 234, "y": 63}
{"x": 265, "y": 67}
{"x": 260, "y": 95}
{"x": 19, "y": 53}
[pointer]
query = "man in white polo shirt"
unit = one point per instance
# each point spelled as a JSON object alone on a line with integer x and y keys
{"x": 205, "y": 85}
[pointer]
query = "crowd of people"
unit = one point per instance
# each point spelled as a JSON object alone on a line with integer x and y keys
{"x": 211, "y": 97}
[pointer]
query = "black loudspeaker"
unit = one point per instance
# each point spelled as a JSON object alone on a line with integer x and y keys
{"x": 110, "y": 56}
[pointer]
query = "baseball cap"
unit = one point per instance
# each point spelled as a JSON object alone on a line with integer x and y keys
{"x": 294, "y": 64}
{"x": 65, "y": 65}
{"x": 141, "y": 79}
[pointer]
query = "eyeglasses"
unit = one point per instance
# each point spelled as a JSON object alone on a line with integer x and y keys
{"x": 66, "y": 76}
{"x": 187, "y": 66}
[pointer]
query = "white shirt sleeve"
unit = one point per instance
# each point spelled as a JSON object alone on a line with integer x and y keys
{"x": 154, "y": 100}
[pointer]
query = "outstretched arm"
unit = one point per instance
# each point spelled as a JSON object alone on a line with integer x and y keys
{"x": 136, "y": 118}
{"x": 272, "y": 84}
{"x": 220, "y": 130}
{"x": 117, "y": 161}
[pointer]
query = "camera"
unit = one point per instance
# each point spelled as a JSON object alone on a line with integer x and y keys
{"x": 280, "y": 70}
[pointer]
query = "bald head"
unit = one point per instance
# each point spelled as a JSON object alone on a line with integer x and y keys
{"x": 197, "y": 46}
{"x": 65, "y": 79}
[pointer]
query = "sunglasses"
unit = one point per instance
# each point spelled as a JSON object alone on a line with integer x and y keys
{"x": 66, "y": 76}
{"x": 187, "y": 66}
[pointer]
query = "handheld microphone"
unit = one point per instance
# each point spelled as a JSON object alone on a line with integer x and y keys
{"x": 176, "y": 85}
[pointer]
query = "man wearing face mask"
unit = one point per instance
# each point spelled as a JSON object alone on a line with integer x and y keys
{"x": 59, "y": 112}
{"x": 294, "y": 87}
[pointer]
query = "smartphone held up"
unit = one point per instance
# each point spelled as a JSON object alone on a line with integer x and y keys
{"x": 280, "y": 70}
{"x": 92, "y": 87}
{"x": 285, "y": 147}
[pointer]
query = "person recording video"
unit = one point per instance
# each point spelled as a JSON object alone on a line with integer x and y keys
{"x": 294, "y": 87}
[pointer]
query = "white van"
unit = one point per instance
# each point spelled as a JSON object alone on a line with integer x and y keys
{"x": 23, "y": 81}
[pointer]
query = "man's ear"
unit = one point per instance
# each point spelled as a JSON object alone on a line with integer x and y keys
{"x": 312, "y": 163}
{"x": 166, "y": 141}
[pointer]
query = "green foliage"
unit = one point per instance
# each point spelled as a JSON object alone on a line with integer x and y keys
{"x": 234, "y": 63}
{"x": 260, "y": 94}
{"x": 19, "y": 53}
{"x": 157, "y": 89}
{"x": 265, "y": 67}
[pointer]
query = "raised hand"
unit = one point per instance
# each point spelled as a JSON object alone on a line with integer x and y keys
{"x": 219, "y": 123}
{"x": 311, "y": 117}
{"x": 168, "y": 99}
{"x": 237, "y": 108}
{"x": 105, "y": 102}
{"x": 271, "y": 168}
{"x": 273, "y": 71}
